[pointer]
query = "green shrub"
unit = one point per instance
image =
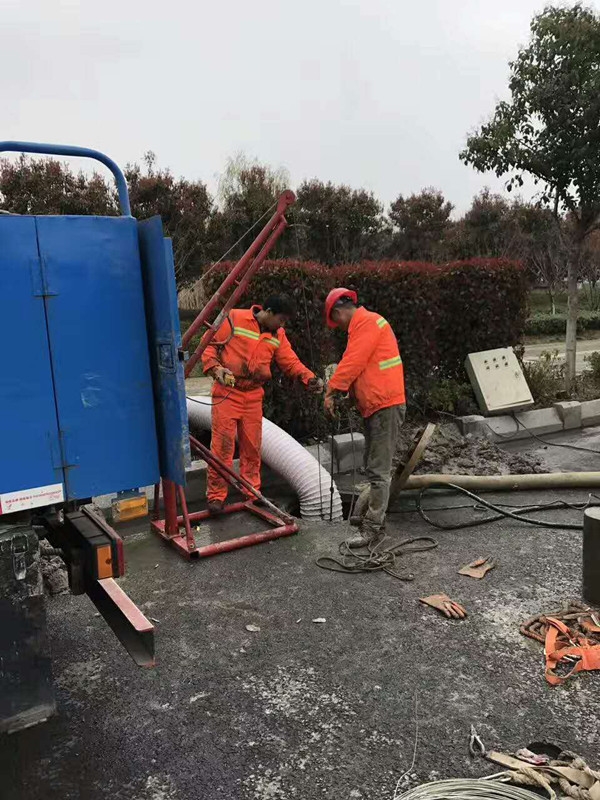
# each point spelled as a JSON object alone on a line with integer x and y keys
{"x": 483, "y": 305}
{"x": 452, "y": 397}
{"x": 593, "y": 359}
{"x": 556, "y": 324}
{"x": 406, "y": 294}
{"x": 546, "y": 378}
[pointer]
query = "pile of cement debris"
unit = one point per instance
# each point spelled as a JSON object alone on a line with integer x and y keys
{"x": 54, "y": 570}
{"x": 452, "y": 453}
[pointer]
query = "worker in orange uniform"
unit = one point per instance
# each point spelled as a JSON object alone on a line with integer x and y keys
{"x": 371, "y": 371}
{"x": 239, "y": 359}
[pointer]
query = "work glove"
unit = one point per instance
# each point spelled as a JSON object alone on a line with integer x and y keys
{"x": 315, "y": 386}
{"x": 223, "y": 376}
{"x": 330, "y": 404}
{"x": 441, "y": 602}
{"x": 335, "y": 402}
{"x": 478, "y": 568}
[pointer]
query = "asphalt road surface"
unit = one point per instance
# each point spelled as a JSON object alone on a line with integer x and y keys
{"x": 300, "y": 709}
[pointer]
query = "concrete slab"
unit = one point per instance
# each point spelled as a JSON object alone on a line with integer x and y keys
{"x": 590, "y": 413}
{"x": 502, "y": 428}
{"x": 304, "y": 710}
{"x": 541, "y": 420}
{"x": 348, "y": 450}
{"x": 473, "y": 425}
{"x": 570, "y": 413}
{"x": 322, "y": 453}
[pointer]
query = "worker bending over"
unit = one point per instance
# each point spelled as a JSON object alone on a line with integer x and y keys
{"x": 239, "y": 359}
{"x": 371, "y": 370}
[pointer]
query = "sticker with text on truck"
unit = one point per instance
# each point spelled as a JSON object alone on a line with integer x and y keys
{"x": 31, "y": 498}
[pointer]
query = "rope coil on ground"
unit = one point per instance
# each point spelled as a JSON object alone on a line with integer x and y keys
{"x": 377, "y": 558}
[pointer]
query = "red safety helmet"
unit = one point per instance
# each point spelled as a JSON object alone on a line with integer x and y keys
{"x": 334, "y": 296}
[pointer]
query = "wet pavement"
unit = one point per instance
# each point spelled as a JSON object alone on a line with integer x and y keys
{"x": 308, "y": 710}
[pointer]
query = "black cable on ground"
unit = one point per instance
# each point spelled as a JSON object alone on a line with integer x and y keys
{"x": 533, "y": 435}
{"x": 554, "y": 504}
{"x": 500, "y": 511}
{"x": 377, "y": 558}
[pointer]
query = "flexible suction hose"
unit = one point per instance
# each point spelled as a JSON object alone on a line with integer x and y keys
{"x": 288, "y": 458}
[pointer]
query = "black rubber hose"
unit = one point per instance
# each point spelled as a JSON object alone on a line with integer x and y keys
{"x": 500, "y": 512}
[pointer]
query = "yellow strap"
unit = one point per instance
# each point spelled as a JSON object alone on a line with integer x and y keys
{"x": 381, "y": 322}
{"x": 390, "y": 362}
{"x": 274, "y": 341}
{"x": 247, "y": 333}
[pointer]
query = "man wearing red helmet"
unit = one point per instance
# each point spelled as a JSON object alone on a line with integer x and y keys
{"x": 371, "y": 371}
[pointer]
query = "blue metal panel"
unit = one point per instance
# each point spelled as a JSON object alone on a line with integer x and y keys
{"x": 29, "y": 444}
{"x": 99, "y": 348}
{"x": 165, "y": 349}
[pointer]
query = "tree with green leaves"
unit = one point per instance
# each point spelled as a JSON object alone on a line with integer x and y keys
{"x": 185, "y": 206}
{"x": 541, "y": 241}
{"x": 47, "y": 186}
{"x": 420, "y": 223}
{"x": 337, "y": 224}
{"x": 550, "y": 130}
{"x": 248, "y": 191}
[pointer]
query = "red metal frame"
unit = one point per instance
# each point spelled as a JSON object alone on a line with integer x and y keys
{"x": 170, "y": 528}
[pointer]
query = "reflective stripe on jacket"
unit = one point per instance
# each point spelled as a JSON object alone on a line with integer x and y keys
{"x": 371, "y": 367}
{"x": 240, "y": 346}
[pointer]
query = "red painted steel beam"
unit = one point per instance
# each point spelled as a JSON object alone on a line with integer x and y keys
{"x": 236, "y": 480}
{"x": 132, "y": 628}
{"x": 240, "y": 276}
{"x": 286, "y": 199}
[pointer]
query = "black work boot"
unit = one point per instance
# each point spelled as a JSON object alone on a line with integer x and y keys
{"x": 216, "y": 507}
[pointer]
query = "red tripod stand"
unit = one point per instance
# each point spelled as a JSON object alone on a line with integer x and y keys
{"x": 177, "y": 529}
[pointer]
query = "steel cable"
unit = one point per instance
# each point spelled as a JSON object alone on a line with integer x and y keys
{"x": 468, "y": 789}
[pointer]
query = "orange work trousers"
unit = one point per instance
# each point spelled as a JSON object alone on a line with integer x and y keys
{"x": 235, "y": 412}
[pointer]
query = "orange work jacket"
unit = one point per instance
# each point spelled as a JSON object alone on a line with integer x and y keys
{"x": 371, "y": 367}
{"x": 240, "y": 346}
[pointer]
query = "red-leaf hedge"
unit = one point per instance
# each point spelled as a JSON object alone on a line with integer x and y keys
{"x": 439, "y": 314}
{"x": 483, "y": 305}
{"x": 406, "y": 295}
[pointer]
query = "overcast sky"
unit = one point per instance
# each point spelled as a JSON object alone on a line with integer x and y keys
{"x": 372, "y": 93}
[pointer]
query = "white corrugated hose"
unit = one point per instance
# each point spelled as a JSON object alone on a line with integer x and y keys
{"x": 288, "y": 458}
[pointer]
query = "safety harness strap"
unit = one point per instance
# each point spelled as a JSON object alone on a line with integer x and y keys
{"x": 563, "y": 644}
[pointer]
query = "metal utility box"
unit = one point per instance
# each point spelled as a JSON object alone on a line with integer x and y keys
{"x": 92, "y": 398}
{"x": 498, "y": 381}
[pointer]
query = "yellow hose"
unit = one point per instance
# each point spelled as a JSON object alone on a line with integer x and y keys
{"x": 510, "y": 483}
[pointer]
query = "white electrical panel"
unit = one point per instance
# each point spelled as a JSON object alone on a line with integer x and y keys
{"x": 498, "y": 381}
